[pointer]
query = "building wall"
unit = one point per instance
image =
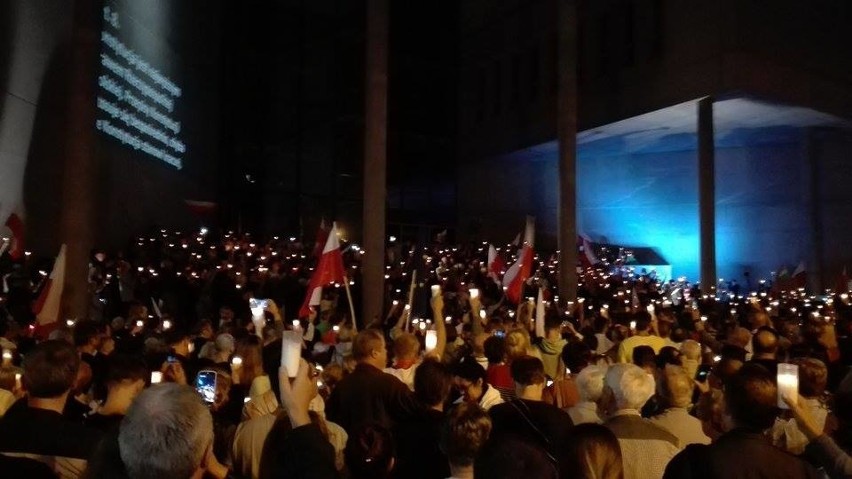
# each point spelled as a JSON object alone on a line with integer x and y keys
{"x": 31, "y": 31}
{"x": 637, "y": 56}
{"x": 764, "y": 203}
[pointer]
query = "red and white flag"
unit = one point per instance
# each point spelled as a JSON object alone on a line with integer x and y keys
{"x": 329, "y": 270}
{"x": 587, "y": 256}
{"x": 517, "y": 274}
{"x": 16, "y": 244}
{"x": 496, "y": 264}
{"x": 322, "y": 238}
{"x": 47, "y": 307}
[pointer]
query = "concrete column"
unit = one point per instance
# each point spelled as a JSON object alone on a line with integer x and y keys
{"x": 375, "y": 159}
{"x": 707, "y": 193}
{"x": 566, "y": 131}
{"x": 815, "y": 265}
{"x": 80, "y": 182}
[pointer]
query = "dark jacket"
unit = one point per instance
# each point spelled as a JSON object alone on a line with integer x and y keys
{"x": 418, "y": 452}
{"x": 304, "y": 453}
{"x": 47, "y": 436}
{"x": 738, "y": 454}
{"x": 534, "y": 422}
{"x": 370, "y": 396}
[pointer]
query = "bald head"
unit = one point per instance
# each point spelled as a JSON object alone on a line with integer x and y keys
{"x": 739, "y": 337}
{"x": 677, "y": 387}
{"x": 765, "y": 343}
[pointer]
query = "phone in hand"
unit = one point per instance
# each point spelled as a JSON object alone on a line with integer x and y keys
{"x": 703, "y": 372}
{"x": 205, "y": 384}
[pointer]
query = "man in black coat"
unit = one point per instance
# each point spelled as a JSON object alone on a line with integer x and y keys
{"x": 368, "y": 395}
{"x": 743, "y": 452}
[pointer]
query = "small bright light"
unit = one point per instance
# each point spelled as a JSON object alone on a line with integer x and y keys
{"x": 167, "y": 324}
{"x": 69, "y": 323}
{"x": 237, "y": 361}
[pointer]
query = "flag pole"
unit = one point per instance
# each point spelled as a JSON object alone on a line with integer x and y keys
{"x": 410, "y": 299}
{"x": 351, "y": 306}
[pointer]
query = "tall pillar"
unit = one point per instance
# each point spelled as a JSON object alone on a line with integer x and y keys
{"x": 815, "y": 264}
{"x": 707, "y": 192}
{"x": 80, "y": 182}
{"x": 566, "y": 131}
{"x": 375, "y": 159}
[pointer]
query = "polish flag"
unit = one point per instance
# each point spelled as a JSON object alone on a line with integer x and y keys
{"x": 16, "y": 247}
{"x": 587, "y": 258}
{"x": 517, "y": 274}
{"x": 496, "y": 264}
{"x": 328, "y": 270}
{"x": 47, "y": 306}
{"x": 322, "y": 238}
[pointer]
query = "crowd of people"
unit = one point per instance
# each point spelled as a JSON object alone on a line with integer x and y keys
{"x": 180, "y": 370}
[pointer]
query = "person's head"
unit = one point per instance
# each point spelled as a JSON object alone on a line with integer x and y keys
{"x": 406, "y": 347}
{"x": 167, "y": 432}
{"x": 87, "y": 336}
{"x": 495, "y": 349}
{"x": 759, "y": 319}
{"x": 513, "y": 458}
{"x": 517, "y": 344}
{"x": 668, "y": 355}
{"x": 50, "y": 370}
{"x": 369, "y": 348}
{"x": 126, "y": 374}
{"x": 765, "y": 343}
{"x": 205, "y": 329}
{"x": 553, "y": 326}
{"x": 751, "y": 398}
{"x": 178, "y": 341}
{"x": 576, "y": 356}
{"x": 224, "y": 347}
{"x": 645, "y": 358}
{"x": 643, "y": 322}
{"x": 465, "y": 431}
{"x": 250, "y": 351}
{"x": 137, "y": 311}
{"x": 723, "y": 371}
{"x": 432, "y": 382}
{"x": 369, "y": 453}
{"x": 590, "y": 383}
{"x": 469, "y": 378}
{"x": 528, "y": 375}
{"x": 739, "y": 337}
{"x": 676, "y": 387}
{"x": 664, "y": 328}
{"x": 813, "y": 377}
{"x": 594, "y": 453}
{"x": 226, "y": 313}
{"x": 630, "y": 387}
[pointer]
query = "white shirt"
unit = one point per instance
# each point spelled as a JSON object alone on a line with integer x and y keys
{"x": 585, "y": 412}
{"x": 404, "y": 375}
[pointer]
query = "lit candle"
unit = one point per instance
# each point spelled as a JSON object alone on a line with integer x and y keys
{"x": 431, "y": 340}
{"x": 474, "y": 293}
{"x": 788, "y": 384}
{"x": 237, "y": 361}
{"x": 436, "y": 290}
